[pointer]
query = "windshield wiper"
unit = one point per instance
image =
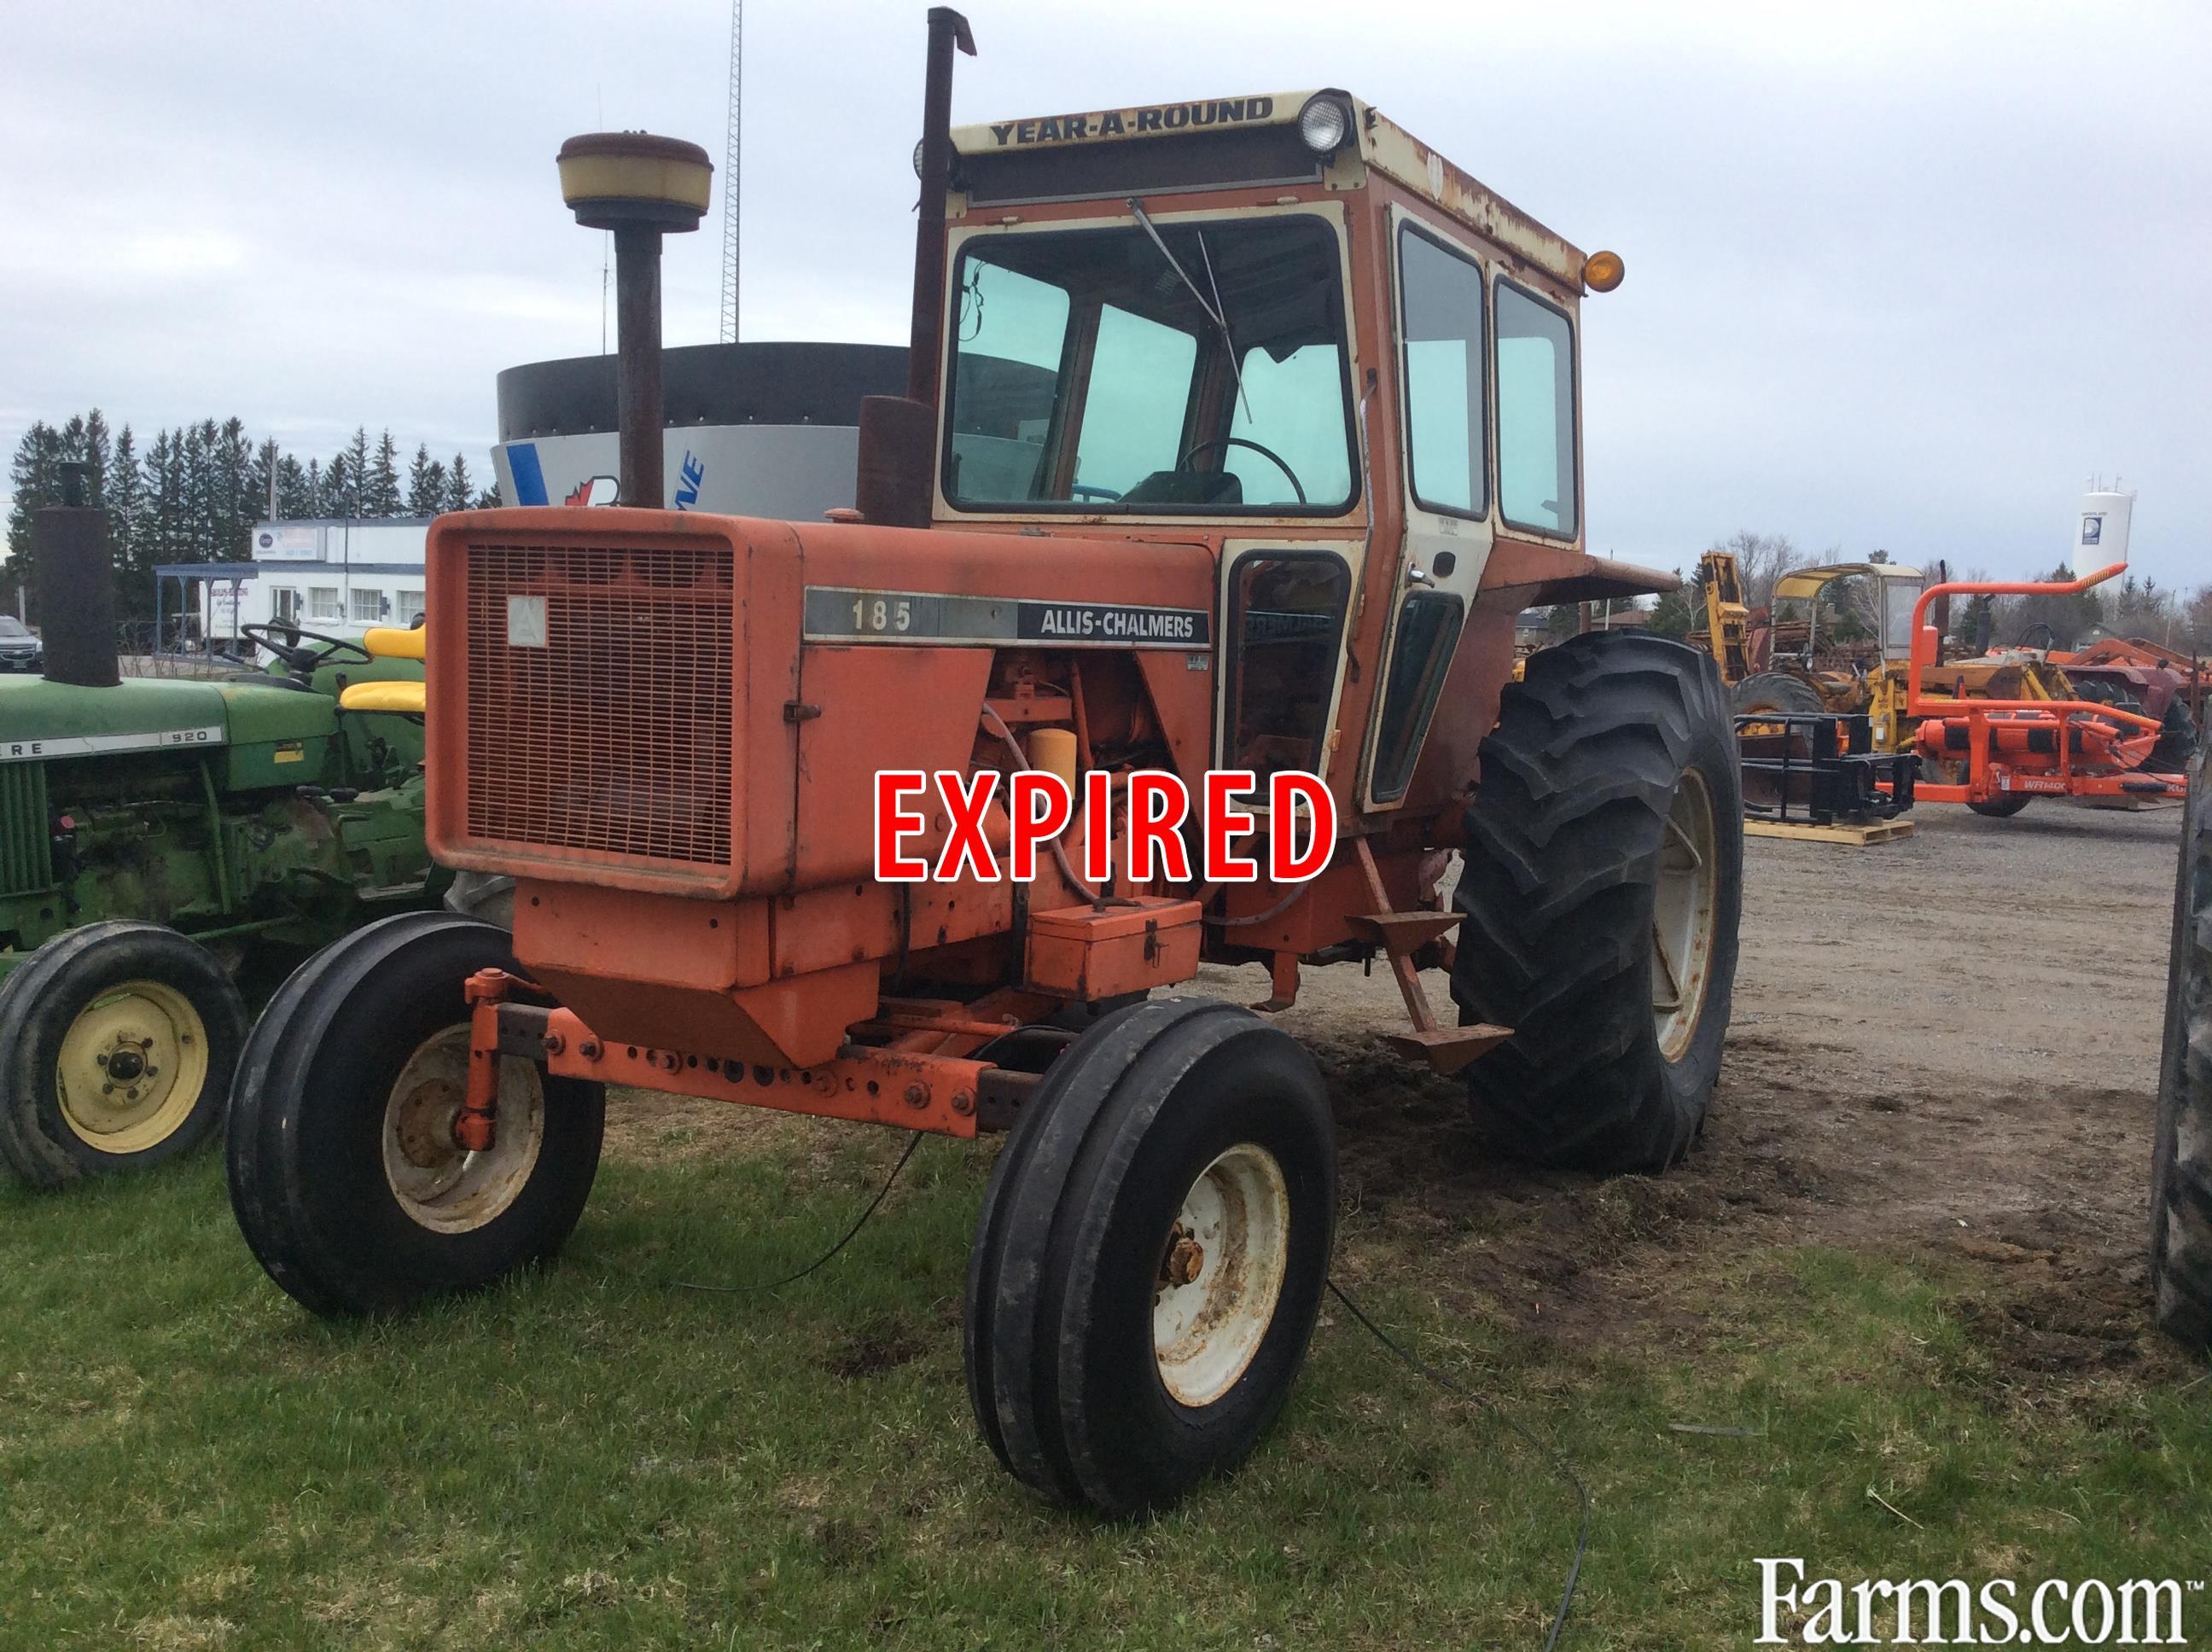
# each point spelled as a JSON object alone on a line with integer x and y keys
{"x": 1216, "y": 312}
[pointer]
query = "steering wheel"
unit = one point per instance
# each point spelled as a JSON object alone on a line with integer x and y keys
{"x": 1268, "y": 453}
{"x": 343, "y": 650}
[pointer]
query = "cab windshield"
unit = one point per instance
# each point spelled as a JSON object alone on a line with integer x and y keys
{"x": 1090, "y": 374}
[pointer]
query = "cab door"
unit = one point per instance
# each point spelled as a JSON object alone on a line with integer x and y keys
{"x": 1443, "y": 317}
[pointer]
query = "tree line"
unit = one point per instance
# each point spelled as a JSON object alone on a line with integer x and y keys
{"x": 192, "y": 493}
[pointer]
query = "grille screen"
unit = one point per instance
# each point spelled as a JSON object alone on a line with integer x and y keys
{"x": 598, "y": 699}
{"x": 26, "y": 848}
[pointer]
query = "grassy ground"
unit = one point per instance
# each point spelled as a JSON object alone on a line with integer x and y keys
{"x": 591, "y": 1457}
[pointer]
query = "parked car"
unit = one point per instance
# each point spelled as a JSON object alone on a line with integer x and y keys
{"x": 19, "y": 651}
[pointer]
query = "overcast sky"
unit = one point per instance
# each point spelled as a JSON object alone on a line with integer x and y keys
{"x": 1899, "y": 276}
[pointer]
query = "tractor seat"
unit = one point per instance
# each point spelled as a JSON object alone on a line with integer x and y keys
{"x": 405, "y": 698}
{"x": 389, "y": 642}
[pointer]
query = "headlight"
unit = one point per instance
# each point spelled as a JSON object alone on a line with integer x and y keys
{"x": 1324, "y": 123}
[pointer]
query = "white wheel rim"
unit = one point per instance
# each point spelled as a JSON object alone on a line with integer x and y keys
{"x": 439, "y": 1183}
{"x": 1221, "y": 1274}
{"x": 1682, "y": 917}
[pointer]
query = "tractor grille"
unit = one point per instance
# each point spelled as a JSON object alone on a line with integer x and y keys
{"x": 598, "y": 699}
{"x": 27, "y": 861}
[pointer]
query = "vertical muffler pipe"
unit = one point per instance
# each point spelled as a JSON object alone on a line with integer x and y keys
{"x": 898, "y": 435}
{"x": 640, "y": 187}
{"x": 74, "y": 572}
{"x": 947, "y": 29}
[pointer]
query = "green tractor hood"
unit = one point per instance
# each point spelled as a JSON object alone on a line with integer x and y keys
{"x": 264, "y": 736}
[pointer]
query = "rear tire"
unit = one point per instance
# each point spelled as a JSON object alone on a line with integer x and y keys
{"x": 2181, "y": 1157}
{"x": 1108, "y": 1364}
{"x": 1575, "y": 861}
{"x": 118, "y": 1042}
{"x": 344, "y": 1173}
{"x": 1776, "y": 691}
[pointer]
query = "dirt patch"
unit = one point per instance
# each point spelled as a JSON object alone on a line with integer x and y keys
{"x": 1944, "y": 1047}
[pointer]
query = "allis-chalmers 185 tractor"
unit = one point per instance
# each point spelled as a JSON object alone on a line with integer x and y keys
{"x": 1238, "y": 433}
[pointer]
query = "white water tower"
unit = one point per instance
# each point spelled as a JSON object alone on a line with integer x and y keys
{"x": 2100, "y": 528}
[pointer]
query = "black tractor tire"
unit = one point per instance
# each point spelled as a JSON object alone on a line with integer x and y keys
{"x": 2181, "y": 1154}
{"x": 1079, "y": 1229}
{"x": 2177, "y": 739}
{"x": 1776, "y": 691}
{"x": 78, "y": 1008}
{"x": 2001, "y": 808}
{"x": 1564, "y": 842}
{"x": 322, "y": 1136}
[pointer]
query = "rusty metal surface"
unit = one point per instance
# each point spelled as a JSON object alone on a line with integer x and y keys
{"x": 909, "y": 1092}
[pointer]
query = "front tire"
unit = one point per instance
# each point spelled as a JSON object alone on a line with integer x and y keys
{"x": 2181, "y": 1157}
{"x": 118, "y": 1042}
{"x": 1150, "y": 1257}
{"x": 1602, "y": 884}
{"x": 345, "y": 1174}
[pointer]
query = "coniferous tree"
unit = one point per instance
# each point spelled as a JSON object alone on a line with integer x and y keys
{"x": 460, "y": 486}
{"x": 426, "y": 483}
{"x": 126, "y": 510}
{"x": 379, "y": 487}
{"x": 340, "y": 497}
{"x": 347, "y": 477}
{"x": 295, "y": 488}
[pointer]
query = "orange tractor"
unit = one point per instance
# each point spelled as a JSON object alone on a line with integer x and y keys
{"x": 1239, "y": 433}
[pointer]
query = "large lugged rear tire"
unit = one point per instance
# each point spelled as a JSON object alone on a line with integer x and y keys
{"x": 117, "y": 1045}
{"x": 1602, "y": 882}
{"x": 1776, "y": 691}
{"x": 345, "y": 1174}
{"x": 1151, "y": 1254}
{"x": 2181, "y": 1159}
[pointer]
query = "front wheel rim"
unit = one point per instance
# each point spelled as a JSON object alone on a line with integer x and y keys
{"x": 131, "y": 1068}
{"x": 1682, "y": 916}
{"x": 441, "y": 1184}
{"x": 1220, "y": 1275}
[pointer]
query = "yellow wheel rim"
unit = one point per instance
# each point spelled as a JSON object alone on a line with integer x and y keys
{"x": 132, "y": 1066}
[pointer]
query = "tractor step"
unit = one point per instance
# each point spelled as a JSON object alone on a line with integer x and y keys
{"x": 1404, "y": 931}
{"x": 1447, "y": 1049}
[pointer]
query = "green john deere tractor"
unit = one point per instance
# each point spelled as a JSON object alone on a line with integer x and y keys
{"x": 168, "y": 849}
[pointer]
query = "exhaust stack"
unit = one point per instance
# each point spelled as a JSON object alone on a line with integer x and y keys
{"x": 898, "y": 435}
{"x": 641, "y": 187}
{"x": 75, "y": 574}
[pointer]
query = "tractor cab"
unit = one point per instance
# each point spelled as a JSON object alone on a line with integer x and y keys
{"x": 1282, "y": 329}
{"x": 1869, "y": 623}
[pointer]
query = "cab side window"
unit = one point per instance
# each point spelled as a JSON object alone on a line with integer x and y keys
{"x": 1535, "y": 413}
{"x": 1440, "y": 306}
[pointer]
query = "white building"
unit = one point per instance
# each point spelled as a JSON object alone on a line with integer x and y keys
{"x": 336, "y": 576}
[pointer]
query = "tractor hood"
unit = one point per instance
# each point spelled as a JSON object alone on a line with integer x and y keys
{"x": 266, "y": 736}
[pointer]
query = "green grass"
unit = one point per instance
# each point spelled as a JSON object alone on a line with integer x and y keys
{"x": 589, "y": 1458}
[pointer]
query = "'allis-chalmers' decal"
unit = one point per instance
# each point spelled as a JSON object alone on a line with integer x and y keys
{"x": 842, "y": 614}
{"x": 1126, "y": 123}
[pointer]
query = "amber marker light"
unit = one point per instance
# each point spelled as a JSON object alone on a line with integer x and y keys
{"x": 1602, "y": 271}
